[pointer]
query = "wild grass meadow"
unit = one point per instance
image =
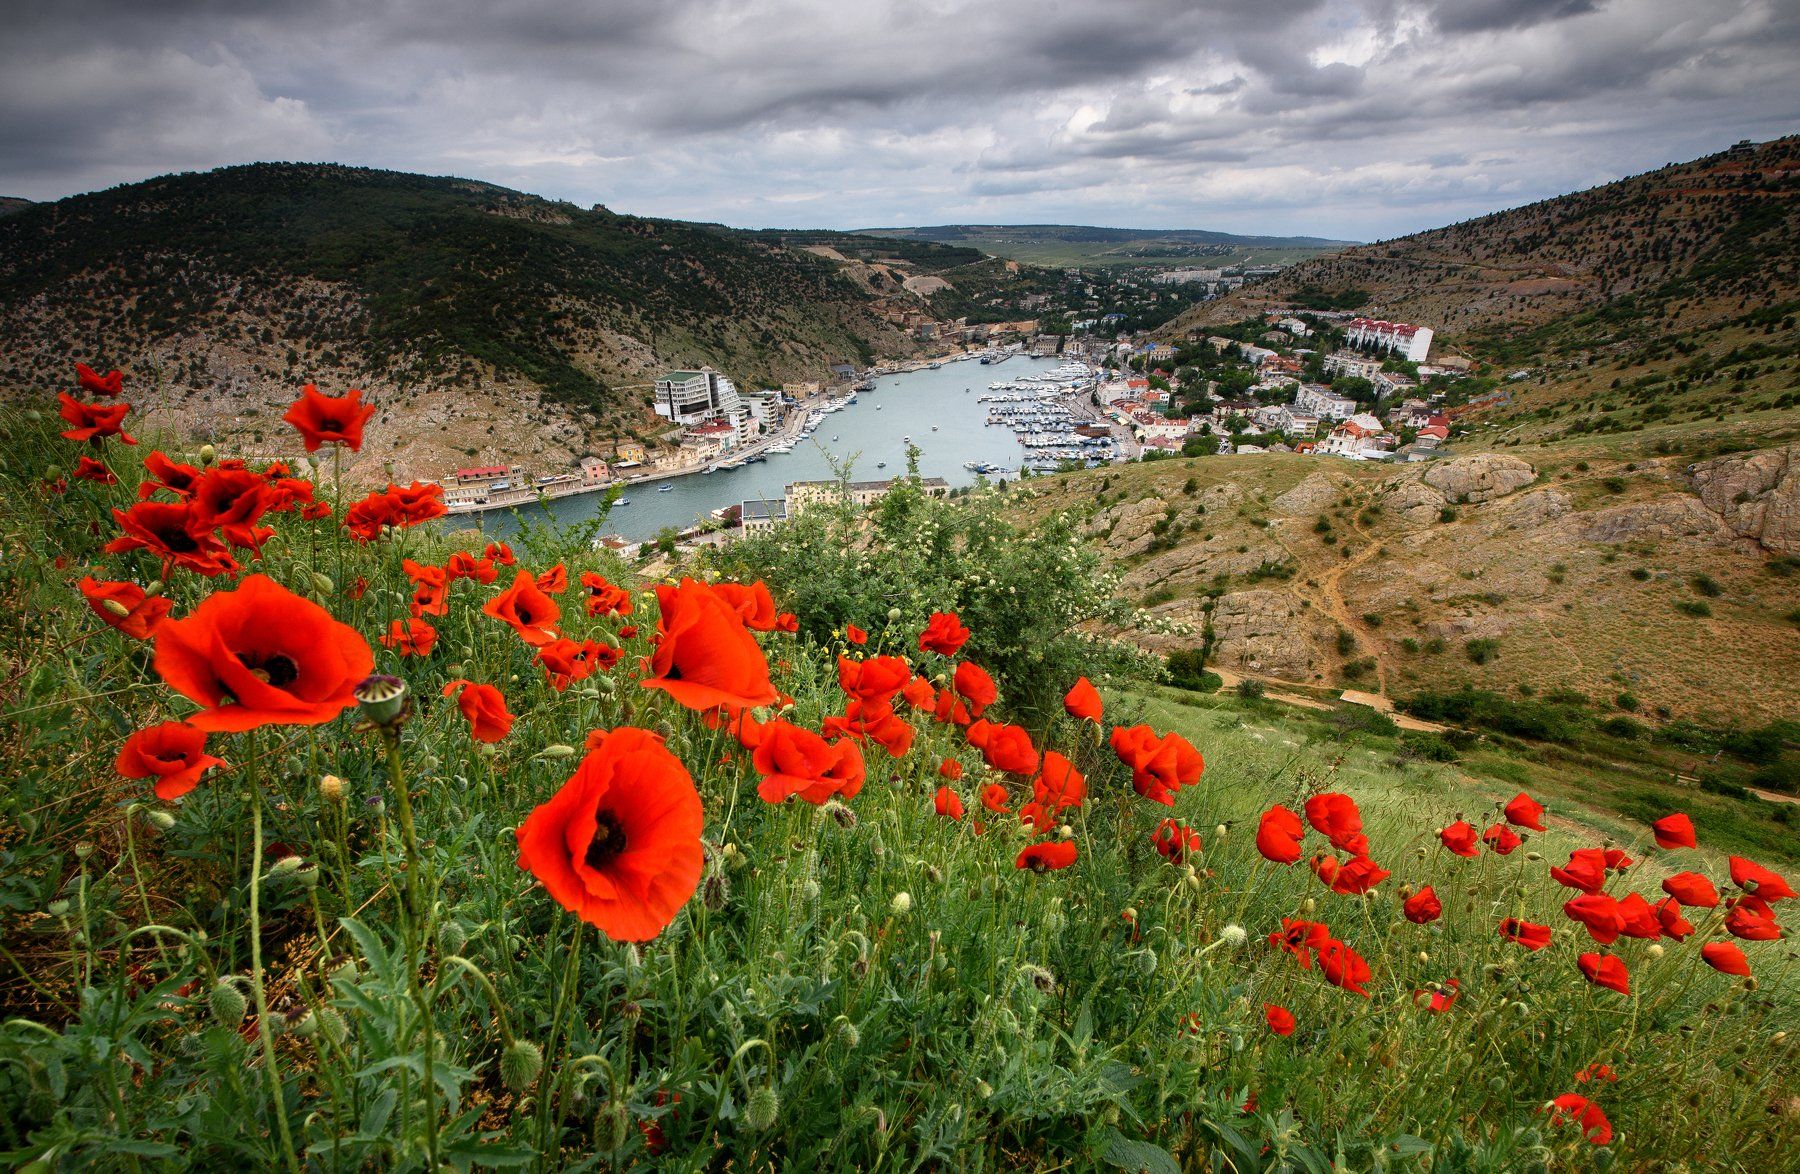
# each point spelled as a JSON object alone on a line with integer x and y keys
{"x": 333, "y": 838}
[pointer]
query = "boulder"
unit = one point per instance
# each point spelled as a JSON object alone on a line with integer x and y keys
{"x": 1535, "y": 508}
{"x": 1756, "y": 495}
{"x": 1264, "y": 630}
{"x": 1415, "y": 503}
{"x": 1658, "y": 520}
{"x": 1479, "y": 477}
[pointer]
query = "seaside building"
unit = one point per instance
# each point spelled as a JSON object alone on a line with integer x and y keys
{"x": 1399, "y": 338}
{"x": 690, "y": 397}
{"x": 801, "y": 494}
{"x": 474, "y": 485}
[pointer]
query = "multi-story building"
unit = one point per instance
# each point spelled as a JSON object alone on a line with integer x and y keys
{"x": 801, "y": 494}
{"x": 1318, "y": 400}
{"x": 1400, "y": 338}
{"x": 690, "y": 397}
{"x": 473, "y": 485}
{"x": 1352, "y": 365}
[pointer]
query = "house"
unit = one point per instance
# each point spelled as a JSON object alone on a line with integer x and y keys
{"x": 1297, "y": 423}
{"x": 1367, "y": 421}
{"x": 801, "y": 494}
{"x": 594, "y": 471}
{"x": 1352, "y": 365}
{"x": 1358, "y": 442}
{"x": 1282, "y": 365}
{"x": 687, "y": 397}
{"x": 473, "y": 485}
{"x": 1295, "y": 327}
{"x": 1431, "y": 436}
{"x": 758, "y": 516}
{"x": 1256, "y": 355}
{"x": 1393, "y": 383}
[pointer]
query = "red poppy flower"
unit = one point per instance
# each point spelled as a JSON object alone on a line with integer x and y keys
{"x": 752, "y": 602}
{"x": 1048, "y": 856}
{"x": 419, "y": 502}
{"x": 1005, "y": 747}
{"x": 619, "y": 844}
{"x": 1726, "y": 958}
{"x": 1638, "y": 919}
{"x": 1357, "y": 876}
{"x": 89, "y": 469}
{"x": 1674, "y": 831}
{"x": 262, "y": 655}
{"x": 1752, "y": 877}
{"x": 1605, "y": 970}
{"x": 1529, "y": 934}
{"x": 1159, "y": 766}
{"x": 285, "y": 493}
{"x": 950, "y": 769}
{"x": 568, "y": 661}
{"x": 173, "y": 753}
{"x": 944, "y": 633}
{"x": 177, "y": 478}
{"x": 1597, "y": 1071}
{"x": 463, "y": 565}
{"x": 526, "y": 609}
{"x": 1344, "y": 967}
{"x": 1690, "y": 888}
{"x": 1174, "y": 839}
{"x": 973, "y": 685}
{"x": 949, "y": 708}
{"x": 125, "y": 606}
{"x": 919, "y": 694}
{"x": 1617, "y": 860}
{"x": 322, "y": 419}
{"x": 169, "y": 531}
{"x": 1501, "y": 839}
{"x": 1585, "y": 1113}
{"x": 413, "y": 637}
{"x": 1278, "y": 835}
{"x": 1335, "y": 816}
{"x": 605, "y": 598}
{"x": 1461, "y": 839}
{"x": 705, "y": 656}
{"x": 484, "y": 707}
{"x": 855, "y": 634}
{"x": 1525, "y": 812}
{"x": 92, "y": 422}
{"x": 1279, "y": 1019}
{"x": 995, "y": 799}
{"x": 554, "y": 581}
{"x": 1599, "y": 913}
{"x": 947, "y": 803}
{"x": 1586, "y": 870}
{"x": 1746, "y": 923}
{"x": 499, "y": 553}
{"x": 1082, "y": 701}
{"x": 1057, "y": 787}
{"x": 231, "y": 501}
{"x": 874, "y": 681}
{"x": 1300, "y": 939}
{"x": 1423, "y": 907}
{"x": 431, "y": 588}
{"x": 1668, "y": 916}
{"x": 796, "y": 761}
{"x": 110, "y": 384}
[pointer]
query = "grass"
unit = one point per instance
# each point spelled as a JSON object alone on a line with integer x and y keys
{"x": 858, "y": 986}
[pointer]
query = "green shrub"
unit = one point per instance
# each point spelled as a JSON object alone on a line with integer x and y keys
{"x": 1427, "y": 745}
{"x": 1482, "y": 650}
{"x": 1697, "y": 608}
{"x": 1623, "y": 727}
{"x": 1706, "y": 585}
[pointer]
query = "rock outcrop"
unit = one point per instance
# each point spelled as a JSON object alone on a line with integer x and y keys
{"x": 1479, "y": 477}
{"x": 1265, "y": 631}
{"x": 1756, "y": 495}
{"x": 1658, "y": 520}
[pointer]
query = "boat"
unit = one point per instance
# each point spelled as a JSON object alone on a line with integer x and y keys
{"x": 878, "y": 407}
{"x": 881, "y": 464}
{"x": 623, "y": 501}
{"x": 664, "y": 488}
{"x": 934, "y": 427}
{"x": 708, "y": 469}
{"x": 834, "y": 440}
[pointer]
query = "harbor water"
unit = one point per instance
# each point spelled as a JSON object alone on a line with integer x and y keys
{"x": 869, "y": 434}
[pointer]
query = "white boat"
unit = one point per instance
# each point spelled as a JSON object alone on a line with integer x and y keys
{"x": 665, "y": 488}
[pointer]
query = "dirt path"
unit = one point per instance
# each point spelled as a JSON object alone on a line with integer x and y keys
{"x": 1332, "y": 592}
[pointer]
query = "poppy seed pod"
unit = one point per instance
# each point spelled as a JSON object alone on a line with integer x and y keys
{"x": 520, "y": 1065}
{"x": 381, "y": 698}
{"x": 227, "y": 1003}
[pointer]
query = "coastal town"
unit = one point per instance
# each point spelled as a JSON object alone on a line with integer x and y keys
{"x": 1327, "y": 383}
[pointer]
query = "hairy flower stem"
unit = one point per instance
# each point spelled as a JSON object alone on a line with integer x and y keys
{"x": 414, "y": 920}
{"x": 549, "y": 1089}
{"x": 277, "y": 1100}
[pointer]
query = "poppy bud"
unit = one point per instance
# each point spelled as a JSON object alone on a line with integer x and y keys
{"x": 520, "y": 1065}
{"x": 285, "y": 865}
{"x": 810, "y": 889}
{"x": 715, "y": 891}
{"x": 382, "y": 698}
{"x": 848, "y": 1034}
{"x": 1145, "y": 961}
{"x": 1233, "y": 935}
{"x": 1130, "y": 914}
{"x": 556, "y": 750}
{"x": 208, "y": 454}
{"x": 116, "y": 608}
{"x": 902, "y": 902}
{"x": 331, "y": 788}
{"x": 323, "y": 585}
{"x": 1424, "y": 957}
{"x": 613, "y": 1126}
{"x": 83, "y": 850}
{"x": 1309, "y": 904}
{"x": 893, "y": 614}
{"x": 1219, "y": 832}
{"x": 153, "y": 587}
{"x": 762, "y": 1109}
{"x": 227, "y": 1003}
{"x": 1655, "y": 950}
{"x": 53, "y": 473}
{"x": 452, "y": 937}
{"x": 161, "y": 820}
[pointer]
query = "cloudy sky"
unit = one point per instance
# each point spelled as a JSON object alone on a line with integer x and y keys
{"x": 1344, "y": 118}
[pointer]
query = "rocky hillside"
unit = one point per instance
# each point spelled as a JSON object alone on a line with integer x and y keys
{"x": 1686, "y": 246}
{"x": 1671, "y": 580}
{"x": 497, "y": 324}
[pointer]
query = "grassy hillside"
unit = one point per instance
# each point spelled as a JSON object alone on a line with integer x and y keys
{"x": 471, "y": 304}
{"x": 350, "y": 945}
{"x": 1058, "y": 245}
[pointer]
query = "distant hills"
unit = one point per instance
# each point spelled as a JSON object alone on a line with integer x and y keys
{"x": 1077, "y": 244}
{"x": 510, "y": 325}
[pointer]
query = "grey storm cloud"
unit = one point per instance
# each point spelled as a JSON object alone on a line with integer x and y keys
{"x": 1350, "y": 118}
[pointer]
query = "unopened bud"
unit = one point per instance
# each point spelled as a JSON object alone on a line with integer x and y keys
{"x": 116, "y": 608}
{"x": 762, "y": 1110}
{"x": 227, "y": 1003}
{"x": 557, "y": 750}
{"x": 161, "y": 820}
{"x": 208, "y": 454}
{"x": 332, "y": 788}
{"x": 902, "y": 902}
{"x": 520, "y": 1065}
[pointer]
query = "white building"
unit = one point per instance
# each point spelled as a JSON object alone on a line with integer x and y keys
{"x": 689, "y": 397}
{"x": 1318, "y": 400}
{"x": 1400, "y": 338}
{"x": 1295, "y": 327}
{"x": 1352, "y": 365}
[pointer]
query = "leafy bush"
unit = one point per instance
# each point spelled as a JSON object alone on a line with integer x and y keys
{"x": 1698, "y": 608}
{"x": 1427, "y": 745}
{"x": 1187, "y": 669}
{"x": 1482, "y": 650}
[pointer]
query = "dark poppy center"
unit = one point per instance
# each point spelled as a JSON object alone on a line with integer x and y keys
{"x": 330, "y": 424}
{"x": 179, "y": 541}
{"x": 279, "y": 670}
{"x": 607, "y": 844}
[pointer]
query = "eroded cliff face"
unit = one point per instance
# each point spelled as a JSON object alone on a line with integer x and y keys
{"x": 1755, "y": 494}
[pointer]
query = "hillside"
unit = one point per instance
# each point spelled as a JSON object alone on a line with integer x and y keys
{"x": 1074, "y": 244}
{"x": 501, "y": 323}
{"x": 1668, "y": 284}
{"x": 1569, "y": 567}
